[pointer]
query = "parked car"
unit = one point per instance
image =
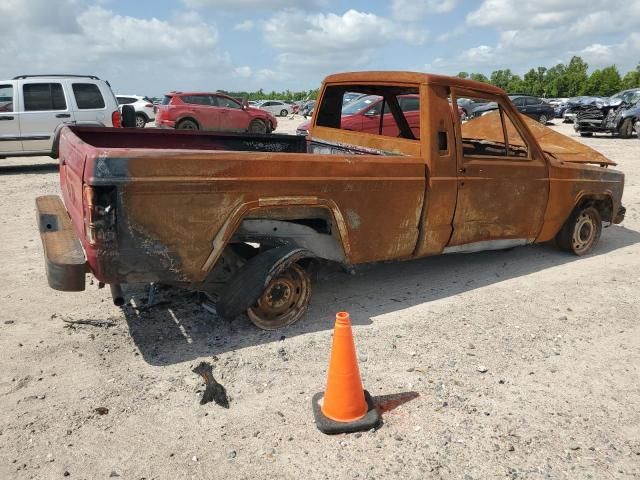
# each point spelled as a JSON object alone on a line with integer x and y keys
{"x": 275, "y": 107}
{"x": 32, "y": 106}
{"x": 468, "y": 106}
{"x": 212, "y": 111}
{"x": 533, "y": 107}
{"x": 568, "y": 110}
{"x": 143, "y": 106}
{"x": 136, "y": 215}
{"x": 617, "y": 115}
{"x": 363, "y": 115}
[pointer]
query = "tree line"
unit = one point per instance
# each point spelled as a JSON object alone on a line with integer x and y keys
{"x": 560, "y": 80}
{"x": 287, "y": 95}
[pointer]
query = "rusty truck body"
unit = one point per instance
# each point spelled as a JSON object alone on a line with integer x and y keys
{"x": 243, "y": 217}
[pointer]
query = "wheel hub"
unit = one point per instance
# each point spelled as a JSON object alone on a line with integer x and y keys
{"x": 283, "y": 301}
{"x": 583, "y": 232}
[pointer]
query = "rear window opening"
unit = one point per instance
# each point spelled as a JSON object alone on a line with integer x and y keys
{"x": 166, "y": 100}
{"x": 390, "y": 111}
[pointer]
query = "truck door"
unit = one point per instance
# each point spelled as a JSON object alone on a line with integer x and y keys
{"x": 45, "y": 105}
{"x": 9, "y": 119}
{"x": 502, "y": 181}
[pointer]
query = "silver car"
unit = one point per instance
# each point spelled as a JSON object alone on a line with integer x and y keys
{"x": 275, "y": 107}
{"x": 32, "y": 106}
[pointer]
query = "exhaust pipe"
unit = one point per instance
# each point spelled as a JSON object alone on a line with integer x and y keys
{"x": 116, "y": 294}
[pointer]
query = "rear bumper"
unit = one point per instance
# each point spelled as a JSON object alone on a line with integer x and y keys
{"x": 164, "y": 123}
{"x": 64, "y": 257}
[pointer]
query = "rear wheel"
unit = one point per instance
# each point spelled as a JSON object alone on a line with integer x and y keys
{"x": 272, "y": 288}
{"x": 257, "y": 126}
{"x": 187, "y": 125}
{"x": 586, "y": 134}
{"x": 581, "y": 231}
{"x": 140, "y": 121}
{"x": 637, "y": 127}
{"x": 284, "y": 113}
{"x": 626, "y": 129}
{"x": 284, "y": 300}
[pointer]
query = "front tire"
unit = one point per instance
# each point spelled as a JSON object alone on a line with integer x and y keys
{"x": 258, "y": 126}
{"x": 543, "y": 119}
{"x": 581, "y": 231}
{"x": 283, "y": 113}
{"x": 626, "y": 129}
{"x": 586, "y": 134}
{"x": 187, "y": 125}
{"x": 141, "y": 121}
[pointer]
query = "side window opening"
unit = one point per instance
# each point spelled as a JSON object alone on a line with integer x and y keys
{"x": 489, "y": 132}
{"x": 389, "y": 111}
{"x": 43, "y": 97}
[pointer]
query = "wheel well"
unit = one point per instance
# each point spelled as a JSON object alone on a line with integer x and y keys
{"x": 315, "y": 232}
{"x": 144, "y": 115}
{"x": 602, "y": 203}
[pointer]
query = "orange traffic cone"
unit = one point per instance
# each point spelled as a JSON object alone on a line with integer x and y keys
{"x": 346, "y": 407}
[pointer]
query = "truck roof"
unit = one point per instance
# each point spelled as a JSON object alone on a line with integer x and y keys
{"x": 410, "y": 77}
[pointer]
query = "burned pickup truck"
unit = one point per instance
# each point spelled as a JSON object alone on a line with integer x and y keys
{"x": 618, "y": 114}
{"x": 244, "y": 218}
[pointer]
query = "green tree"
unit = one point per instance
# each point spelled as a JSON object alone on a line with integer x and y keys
{"x": 576, "y": 77}
{"x": 462, "y": 75}
{"x": 479, "y": 77}
{"x": 604, "y": 82}
{"x": 534, "y": 81}
{"x": 631, "y": 79}
{"x": 555, "y": 84}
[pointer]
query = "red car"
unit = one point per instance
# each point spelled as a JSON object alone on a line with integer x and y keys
{"x": 363, "y": 115}
{"x": 211, "y": 111}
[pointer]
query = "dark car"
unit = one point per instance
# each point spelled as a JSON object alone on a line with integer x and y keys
{"x": 533, "y": 107}
{"x": 618, "y": 115}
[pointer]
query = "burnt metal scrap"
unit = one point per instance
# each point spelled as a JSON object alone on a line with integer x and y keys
{"x": 213, "y": 392}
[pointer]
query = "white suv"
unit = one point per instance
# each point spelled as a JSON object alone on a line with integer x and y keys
{"x": 143, "y": 106}
{"x": 32, "y": 106}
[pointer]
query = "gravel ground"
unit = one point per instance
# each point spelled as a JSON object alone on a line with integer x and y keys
{"x": 515, "y": 364}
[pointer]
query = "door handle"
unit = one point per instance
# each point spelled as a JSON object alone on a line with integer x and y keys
{"x": 63, "y": 115}
{"x": 6, "y": 117}
{"x": 462, "y": 170}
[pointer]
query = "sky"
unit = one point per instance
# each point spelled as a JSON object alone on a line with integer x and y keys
{"x": 150, "y": 47}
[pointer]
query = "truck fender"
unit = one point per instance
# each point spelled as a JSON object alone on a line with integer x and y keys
{"x": 55, "y": 146}
{"x": 265, "y": 208}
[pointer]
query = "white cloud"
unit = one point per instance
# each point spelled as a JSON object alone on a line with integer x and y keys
{"x": 415, "y": 10}
{"x": 133, "y": 52}
{"x": 242, "y": 72}
{"x": 534, "y": 33}
{"x": 253, "y": 4}
{"x": 598, "y": 55}
{"x": 244, "y": 26}
{"x": 456, "y": 32}
{"x": 330, "y": 41}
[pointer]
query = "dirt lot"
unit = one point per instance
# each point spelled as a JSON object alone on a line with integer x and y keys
{"x": 558, "y": 335}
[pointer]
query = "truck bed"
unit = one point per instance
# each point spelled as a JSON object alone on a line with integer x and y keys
{"x": 152, "y": 138}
